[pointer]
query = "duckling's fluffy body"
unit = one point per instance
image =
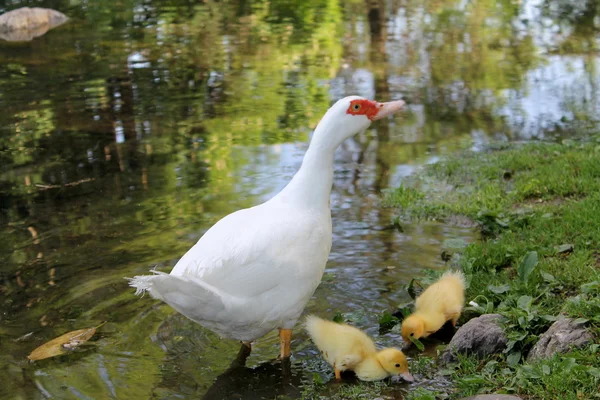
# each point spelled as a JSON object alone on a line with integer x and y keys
{"x": 441, "y": 302}
{"x": 347, "y": 348}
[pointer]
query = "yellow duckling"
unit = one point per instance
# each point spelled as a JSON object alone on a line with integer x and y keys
{"x": 347, "y": 348}
{"x": 441, "y": 302}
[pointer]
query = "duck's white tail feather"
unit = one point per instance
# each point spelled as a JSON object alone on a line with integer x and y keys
{"x": 193, "y": 298}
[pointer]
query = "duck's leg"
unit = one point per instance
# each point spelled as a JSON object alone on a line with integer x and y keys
{"x": 285, "y": 341}
{"x": 242, "y": 356}
{"x": 454, "y": 319}
{"x": 248, "y": 345}
{"x": 338, "y": 373}
{"x": 286, "y": 370}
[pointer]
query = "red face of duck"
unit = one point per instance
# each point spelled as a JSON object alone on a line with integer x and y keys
{"x": 373, "y": 109}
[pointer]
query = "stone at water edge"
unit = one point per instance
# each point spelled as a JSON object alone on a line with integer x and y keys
{"x": 24, "y": 24}
{"x": 564, "y": 335}
{"x": 480, "y": 336}
{"x": 30, "y": 18}
{"x": 491, "y": 397}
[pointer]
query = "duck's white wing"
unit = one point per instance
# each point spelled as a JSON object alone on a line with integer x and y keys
{"x": 252, "y": 251}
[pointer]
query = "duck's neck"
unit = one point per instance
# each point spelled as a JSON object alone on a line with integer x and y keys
{"x": 311, "y": 186}
{"x": 370, "y": 369}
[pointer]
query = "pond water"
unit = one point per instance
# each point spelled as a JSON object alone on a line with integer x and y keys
{"x": 130, "y": 130}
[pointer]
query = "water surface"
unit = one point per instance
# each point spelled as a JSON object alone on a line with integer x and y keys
{"x": 127, "y": 132}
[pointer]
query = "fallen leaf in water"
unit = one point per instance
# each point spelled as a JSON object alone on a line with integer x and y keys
{"x": 63, "y": 344}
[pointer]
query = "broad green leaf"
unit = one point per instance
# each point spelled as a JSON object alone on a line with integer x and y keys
{"x": 417, "y": 343}
{"x": 595, "y": 372}
{"x": 405, "y": 309}
{"x": 548, "y": 277}
{"x": 581, "y": 320}
{"x": 317, "y": 378}
{"x": 513, "y": 358}
{"x": 527, "y": 266}
{"x": 387, "y": 321}
{"x": 524, "y": 302}
{"x": 519, "y": 337}
{"x": 490, "y": 366}
{"x": 489, "y": 307}
{"x": 529, "y": 372}
{"x": 546, "y": 369}
{"x": 510, "y": 345}
{"x": 590, "y": 287}
{"x": 499, "y": 289}
{"x": 567, "y": 364}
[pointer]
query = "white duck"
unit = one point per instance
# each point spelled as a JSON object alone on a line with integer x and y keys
{"x": 256, "y": 268}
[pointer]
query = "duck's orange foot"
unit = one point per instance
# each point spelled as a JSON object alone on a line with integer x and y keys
{"x": 285, "y": 342}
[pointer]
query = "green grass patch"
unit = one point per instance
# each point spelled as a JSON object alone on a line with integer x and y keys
{"x": 342, "y": 391}
{"x": 572, "y": 376}
{"x": 492, "y": 182}
{"x": 538, "y": 209}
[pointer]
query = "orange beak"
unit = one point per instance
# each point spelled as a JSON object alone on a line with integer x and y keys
{"x": 385, "y": 109}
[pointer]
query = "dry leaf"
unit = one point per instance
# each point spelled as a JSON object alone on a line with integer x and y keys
{"x": 63, "y": 344}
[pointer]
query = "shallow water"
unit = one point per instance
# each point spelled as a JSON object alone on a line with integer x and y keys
{"x": 130, "y": 130}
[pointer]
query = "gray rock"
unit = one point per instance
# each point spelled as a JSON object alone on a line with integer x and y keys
{"x": 27, "y": 23}
{"x": 564, "y": 335}
{"x": 492, "y": 397}
{"x": 480, "y": 336}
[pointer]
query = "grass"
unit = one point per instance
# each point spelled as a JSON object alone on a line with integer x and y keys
{"x": 490, "y": 183}
{"x": 364, "y": 390}
{"x": 538, "y": 209}
{"x": 573, "y": 376}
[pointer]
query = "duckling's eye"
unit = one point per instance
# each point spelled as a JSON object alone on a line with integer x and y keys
{"x": 411, "y": 335}
{"x": 356, "y": 107}
{"x": 397, "y": 365}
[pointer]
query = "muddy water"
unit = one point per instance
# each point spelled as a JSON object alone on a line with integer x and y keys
{"x": 130, "y": 130}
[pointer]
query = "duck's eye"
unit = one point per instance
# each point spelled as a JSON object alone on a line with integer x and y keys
{"x": 397, "y": 365}
{"x": 411, "y": 335}
{"x": 356, "y": 107}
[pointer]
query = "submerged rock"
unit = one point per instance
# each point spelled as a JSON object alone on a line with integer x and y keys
{"x": 480, "y": 336}
{"x": 24, "y": 24}
{"x": 564, "y": 335}
{"x": 491, "y": 397}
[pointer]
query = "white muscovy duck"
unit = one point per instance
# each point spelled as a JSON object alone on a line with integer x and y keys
{"x": 256, "y": 269}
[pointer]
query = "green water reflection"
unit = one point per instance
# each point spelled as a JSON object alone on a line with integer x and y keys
{"x": 127, "y": 132}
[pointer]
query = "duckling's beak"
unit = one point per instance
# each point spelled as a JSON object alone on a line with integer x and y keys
{"x": 407, "y": 376}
